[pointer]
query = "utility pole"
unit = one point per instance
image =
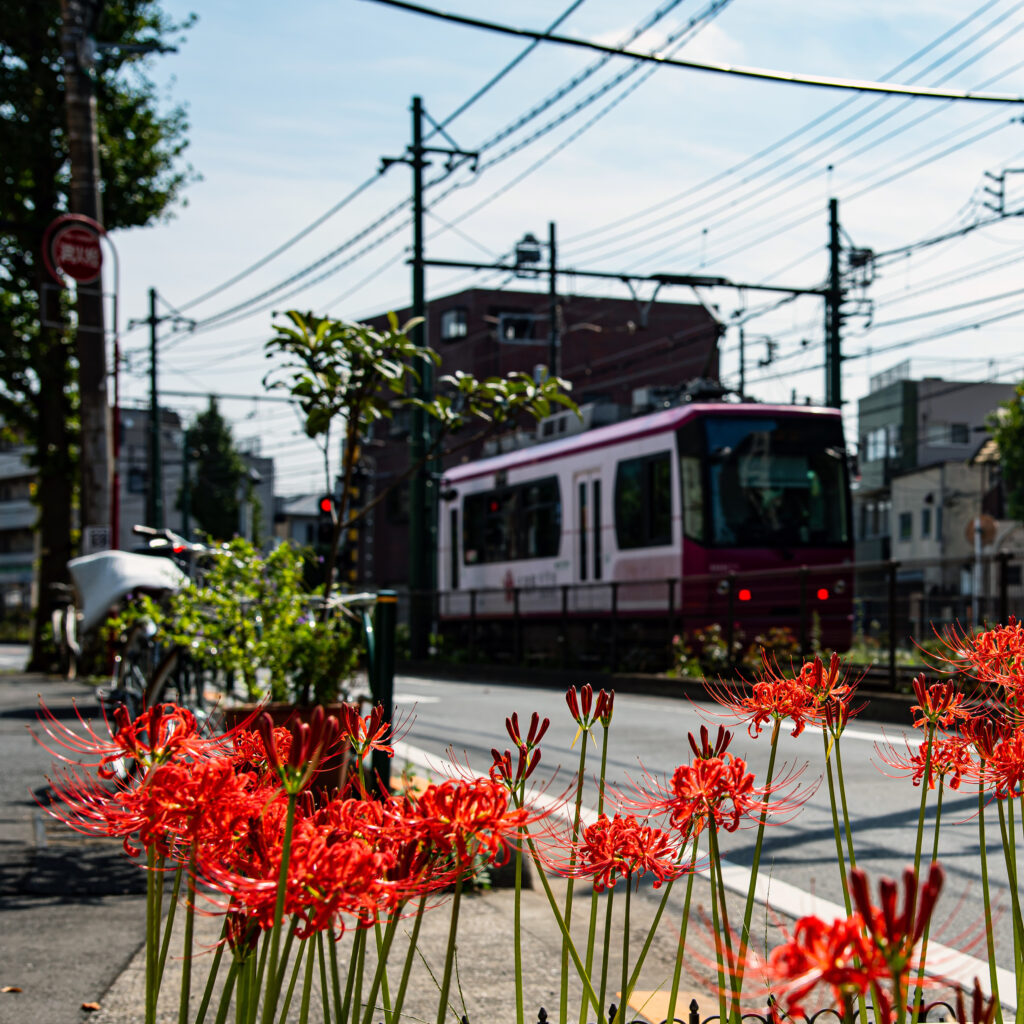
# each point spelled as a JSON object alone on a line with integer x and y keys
{"x": 833, "y": 312}
{"x": 155, "y": 490}
{"x": 78, "y": 17}
{"x": 554, "y": 338}
{"x": 743, "y": 365}
{"x": 422, "y": 485}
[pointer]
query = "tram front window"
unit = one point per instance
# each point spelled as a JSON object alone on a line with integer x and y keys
{"x": 775, "y": 482}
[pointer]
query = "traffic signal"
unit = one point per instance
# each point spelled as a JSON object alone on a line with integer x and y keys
{"x": 325, "y": 521}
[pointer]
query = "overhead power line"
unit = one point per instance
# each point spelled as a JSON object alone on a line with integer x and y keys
{"x": 762, "y": 74}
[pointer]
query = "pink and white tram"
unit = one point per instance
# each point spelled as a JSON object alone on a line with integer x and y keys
{"x": 702, "y": 512}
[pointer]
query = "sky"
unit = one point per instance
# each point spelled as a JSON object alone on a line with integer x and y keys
{"x": 643, "y": 171}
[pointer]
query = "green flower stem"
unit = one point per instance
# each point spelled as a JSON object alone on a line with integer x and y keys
{"x": 592, "y": 927}
{"x": 324, "y": 989}
{"x": 836, "y": 831}
{"x": 924, "y": 798}
{"x": 307, "y": 981}
{"x": 748, "y": 908}
{"x": 212, "y": 976}
{"x": 678, "y": 969}
{"x": 735, "y": 980}
{"x": 624, "y": 990}
{"x": 606, "y": 951}
{"x": 588, "y": 988}
{"x": 380, "y": 975}
{"x": 273, "y": 984}
{"x": 152, "y": 935}
{"x": 354, "y": 968}
{"x": 993, "y": 975}
{"x": 717, "y": 925}
{"x": 225, "y": 997}
{"x": 449, "y": 960}
{"x": 335, "y": 978}
{"x": 290, "y": 991}
{"x": 254, "y": 979}
{"x": 517, "y": 922}
{"x": 919, "y": 989}
{"x": 190, "y": 914}
{"x": 1010, "y": 857}
{"x": 357, "y": 995}
{"x": 396, "y": 1009}
{"x": 380, "y": 978}
{"x": 165, "y": 942}
{"x": 563, "y": 998}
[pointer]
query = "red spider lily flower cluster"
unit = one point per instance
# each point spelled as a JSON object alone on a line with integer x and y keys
{"x": 223, "y": 806}
{"x": 872, "y": 950}
{"x": 585, "y": 710}
{"x": 527, "y": 746}
{"x": 990, "y": 656}
{"x": 948, "y": 759}
{"x": 940, "y": 704}
{"x": 621, "y": 847}
{"x": 365, "y": 732}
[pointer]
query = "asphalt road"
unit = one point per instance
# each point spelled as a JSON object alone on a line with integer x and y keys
{"x": 650, "y": 734}
{"x": 72, "y": 910}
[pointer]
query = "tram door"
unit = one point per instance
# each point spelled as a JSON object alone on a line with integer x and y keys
{"x": 588, "y": 556}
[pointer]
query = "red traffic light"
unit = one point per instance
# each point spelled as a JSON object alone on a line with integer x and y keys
{"x": 823, "y": 594}
{"x": 744, "y": 594}
{"x": 326, "y": 503}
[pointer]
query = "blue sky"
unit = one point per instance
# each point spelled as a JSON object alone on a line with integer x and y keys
{"x": 292, "y": 109}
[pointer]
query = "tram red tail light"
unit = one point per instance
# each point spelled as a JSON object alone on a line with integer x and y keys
{"x": 743, "y": 594}
{"x": 823, "y": 593}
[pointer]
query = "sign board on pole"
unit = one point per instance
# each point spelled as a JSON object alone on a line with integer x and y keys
{"x": 71, "y": 248}
{"x": 95, "y": 538}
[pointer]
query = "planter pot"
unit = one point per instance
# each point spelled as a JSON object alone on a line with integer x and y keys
{"x": 333, "y": 770}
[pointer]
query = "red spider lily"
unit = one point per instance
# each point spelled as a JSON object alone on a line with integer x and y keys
{"x": 365, "y": 733}
{"x": 772, "y": 697}
{"x": 1005, "y": 765}
{"x": 311, "y": 742}
{"x": 940, "y": 704}
{"x": 706, "y": 750}
{"x": 159, "y": 734}
{"x": 838, "y": 955}
{"x": 535, "y": 734}
{"x": 985, "y": 734}
{"x": 950, "y": 760}
{"x": 719, "y": 790}
{"x": 991, "y": 656}
{"x": 581, "y": 703}
{"x": 251, "y": 754}
{"x": 827, "y": 685}
{"x": 502, "y": 771}
{"x": 983, "y": 1011}
{"x": 622, "y": 847}
{"x": 895, "y": 932}
{"x": 462, "y": 817}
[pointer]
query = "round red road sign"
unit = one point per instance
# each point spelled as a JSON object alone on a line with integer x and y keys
{"x": 71, "y": 248}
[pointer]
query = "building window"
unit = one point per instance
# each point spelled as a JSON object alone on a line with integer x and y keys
{"x": 454, "y": 324}
{"x": 906, "y": 526}
{"x": 947, "y": 434}
{"x": 926, "y": 522}
{"x": 882, "y": 443}
{"x": 515, "y": 326}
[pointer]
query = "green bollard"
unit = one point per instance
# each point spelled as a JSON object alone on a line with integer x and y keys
{"x": 382, "y": 675}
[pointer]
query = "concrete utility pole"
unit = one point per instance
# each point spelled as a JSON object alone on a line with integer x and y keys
{"x": 554, "y": 337}
{"x": 78, "y": 18}
{"x": 422, "y": 486}
{"x": 833, "y": 312}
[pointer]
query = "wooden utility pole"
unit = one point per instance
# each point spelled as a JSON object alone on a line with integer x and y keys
{"x": 78, "y": 18}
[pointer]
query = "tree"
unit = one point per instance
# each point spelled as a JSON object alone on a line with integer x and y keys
{"x": 1006, "y": 425}
{"x": 338, "y": 370}
{"x": 142, "y": 178}
{"x": 219, "y": 472}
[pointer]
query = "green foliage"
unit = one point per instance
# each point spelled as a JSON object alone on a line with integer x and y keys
{"x": 1006, "y": 425}
{"x": 217, "y": 474}
{"x": 142, "y": 177}
{"x": 705, "y": 652}
{"x": 250, "y": 613}
{"x": 350, "y": 372}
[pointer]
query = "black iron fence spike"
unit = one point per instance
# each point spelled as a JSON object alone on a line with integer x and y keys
{"x": 542, "y": 1016}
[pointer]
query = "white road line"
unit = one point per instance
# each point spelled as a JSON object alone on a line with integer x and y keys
{"x": 944, "y": 962}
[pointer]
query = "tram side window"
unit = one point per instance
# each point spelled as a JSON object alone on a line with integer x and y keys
{"x": 524, "y": 521}
{"x": 643, "y": 502}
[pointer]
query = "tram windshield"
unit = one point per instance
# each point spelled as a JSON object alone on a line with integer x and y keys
{"x": 761, "y": 481}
